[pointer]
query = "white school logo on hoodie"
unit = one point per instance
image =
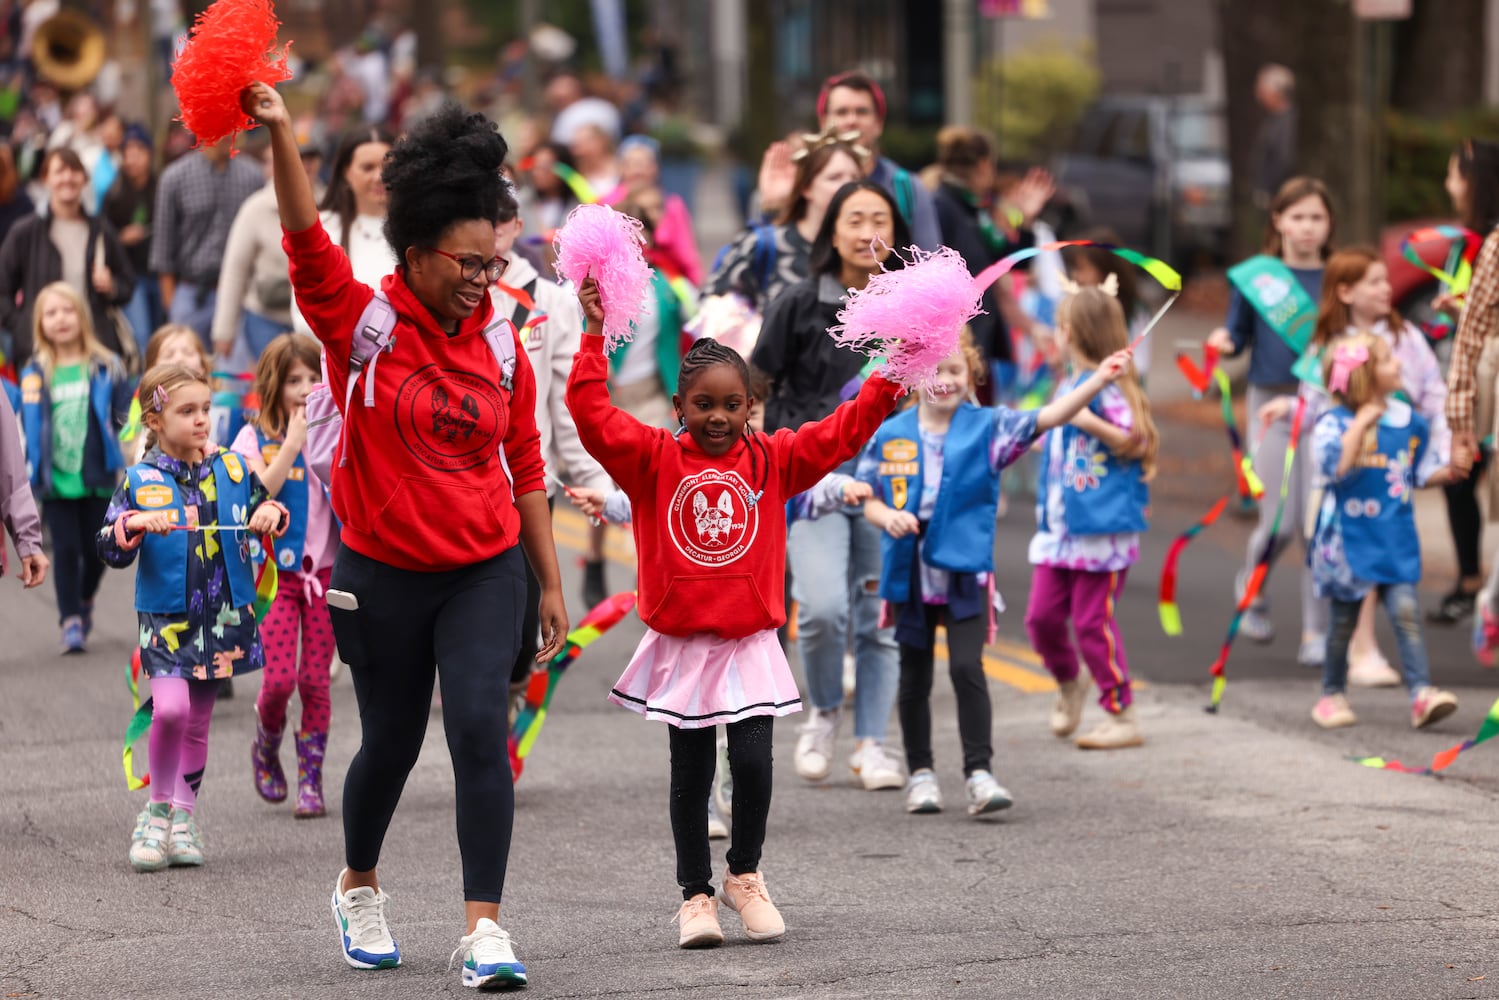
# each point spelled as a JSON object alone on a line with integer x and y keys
{"x": 710, "y": 519}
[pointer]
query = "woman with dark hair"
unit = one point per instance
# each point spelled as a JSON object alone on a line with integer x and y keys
{"x": 835, "y": 560}
{"x": 67, "y": 244}
{"x": 445, "y": 489}
{"x": 764, "y": 260}
{"x": 1473, "y": 186}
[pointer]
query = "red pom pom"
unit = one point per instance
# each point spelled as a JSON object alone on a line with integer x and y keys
{"x": 233, "y": 45}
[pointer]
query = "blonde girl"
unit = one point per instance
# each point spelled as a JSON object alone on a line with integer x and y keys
{"x": 74, "y": 398}
{"x": 272, "y": 446}
{"x": 172, "y": 344}
{"x": 1372, "y": 449}
{"x": 1090, "y": 511}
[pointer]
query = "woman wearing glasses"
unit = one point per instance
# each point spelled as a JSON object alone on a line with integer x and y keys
{"x": 442, "y": 490}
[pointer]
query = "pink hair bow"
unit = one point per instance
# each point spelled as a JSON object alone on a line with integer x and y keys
{"x": 1345, "y": 359}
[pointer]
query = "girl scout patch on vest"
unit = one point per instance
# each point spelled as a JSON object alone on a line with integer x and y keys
{"x": 899, "y": 450}
{"x": 233, "y": 467}
{"x": 152, "y": 497}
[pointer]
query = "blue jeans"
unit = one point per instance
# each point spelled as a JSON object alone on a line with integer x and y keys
{"x": 192, "y": 305}
{"x": 259, "y": 332}
{"x": 1399, "y": 601}
{"x": 144, "y": 310}
{"x": 835, "y": 566}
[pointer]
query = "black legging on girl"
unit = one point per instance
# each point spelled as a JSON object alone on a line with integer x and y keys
{"x": 464, "y": 627}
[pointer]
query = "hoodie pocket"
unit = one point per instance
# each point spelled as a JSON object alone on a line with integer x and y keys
{"x": 464, "y": 516}
{"x": 729, "y": 606}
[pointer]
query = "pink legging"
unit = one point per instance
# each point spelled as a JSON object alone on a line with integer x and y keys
{"x": 1085, "y": 599}
{"x": 299, "y": 601}
{"x": 180, "y": 712}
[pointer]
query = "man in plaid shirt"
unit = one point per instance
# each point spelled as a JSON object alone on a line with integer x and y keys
{"x": 1480, "y": 320}
{"x": 197, "y": 198}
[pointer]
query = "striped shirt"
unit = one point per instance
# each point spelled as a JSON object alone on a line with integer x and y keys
{"x": 1479, "y": 322}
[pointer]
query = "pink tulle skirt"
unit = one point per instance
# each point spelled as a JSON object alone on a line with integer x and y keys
{"x": 706, "y": 681}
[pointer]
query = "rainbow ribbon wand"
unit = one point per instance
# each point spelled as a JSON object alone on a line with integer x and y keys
{"x": 1171, "y": 619}
{"x": 1443, "y": 760}
{"x": 543, "y": 683}
{"x": 595, "y": 521}
{"x": 1261, "y": 567}
{"x": 208, "y": 527}
{"x": 1249, "y": 483}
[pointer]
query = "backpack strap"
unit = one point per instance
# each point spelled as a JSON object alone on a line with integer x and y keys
{"x": 765, "y": 256}
{"x": 905, "y": 192}
{"x": 372, "y": 336}
{"x": 501, "y": 336}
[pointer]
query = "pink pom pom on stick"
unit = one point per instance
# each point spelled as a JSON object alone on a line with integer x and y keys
{"x": 598, "y": 241}
{"x": 911, "y": 316}
{"x": 233, "y": 45}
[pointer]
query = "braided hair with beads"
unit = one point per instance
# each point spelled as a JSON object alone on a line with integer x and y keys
{"x": 708, "y": 353}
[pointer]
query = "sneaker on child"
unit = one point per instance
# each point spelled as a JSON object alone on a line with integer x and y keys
{"x": 488, "y": 958}
{"x": 873, "y": 768}
{"x": 1257, "y": 627}
{"x": 363, "y": 934}
{"x": 814, "y": 747}
{"x": 149, "y": 852}
{"x": 923, "y": 794}
{"x": 1332, "y": 711}
{"x": 747, "y": 896}
{"x": 185, "y": 847}
{"x": 1313, "y": 651}
{"x": 697, "y": 921}
{"x": 1485, "y": 631}
{"x": 1067, "y": 713}
{"x": 1372, "y": 671}
{"x": 985, "y": 795}
{"x": 1430, "y": 705}
{"x": 72, "y": 640}
{"x": 1116, "y": 732}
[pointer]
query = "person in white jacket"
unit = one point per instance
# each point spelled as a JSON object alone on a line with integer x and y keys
{"x": 551, "y": 328}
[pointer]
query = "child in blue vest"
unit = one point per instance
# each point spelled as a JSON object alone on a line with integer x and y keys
{"x": 1372, "y": 450}
{"x": 935, "y": 469}
{"x": 194, "y": 593}
{"x": 1090, "y": 509}
{"x": 289, "y": 367}
{"x": 74, "y": 400}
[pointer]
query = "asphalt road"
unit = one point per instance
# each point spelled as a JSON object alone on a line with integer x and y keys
{"x": 1237, "y": 855}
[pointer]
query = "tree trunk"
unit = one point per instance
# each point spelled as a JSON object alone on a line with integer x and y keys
{"x": 1247, "y": 34}
{"x": 1439, "y": 57}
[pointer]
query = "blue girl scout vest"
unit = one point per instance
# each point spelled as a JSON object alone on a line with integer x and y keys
{"x": 960, "y": 535}
{"x": 1373, "y": 503}
{"x": 161, "y": 580}
{"x": 293, "y": 496}
{"x": 1102, "y": 494}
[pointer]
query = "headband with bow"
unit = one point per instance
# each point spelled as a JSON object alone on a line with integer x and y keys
{"x": 813, "y": 141}
{"x": 1346, "y": 359}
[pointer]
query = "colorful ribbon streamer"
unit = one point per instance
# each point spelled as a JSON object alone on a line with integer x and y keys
{"x": 1249, "y": 483}
{"x": 140, "y": 719}
{"x": 543, "y": 684}
{"x": 1171, "y": 619}
{"x": 1464, "y": 247}
{"x": 1261, "y": 570}
{"x": 576, "y": 183}
{"x": 1443, "y": 760}
{"x": 1162, "y": 272}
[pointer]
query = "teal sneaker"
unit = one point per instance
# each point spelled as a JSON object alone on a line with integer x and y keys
{"x": 149, "y": 852}
{"x": 489, "y": 962}
{"x": 185, "y": 846}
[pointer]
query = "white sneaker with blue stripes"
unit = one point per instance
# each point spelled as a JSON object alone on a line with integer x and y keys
{"x": 489, "y": 961}
{"x": 363, "y": 935}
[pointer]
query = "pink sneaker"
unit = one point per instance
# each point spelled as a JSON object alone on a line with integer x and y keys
{"x": 1485, "y": 636}
{"x": 1333, "y": 712}
{"x": 1430, "y": 705}
{"x": 698, "y": 920}
{"x": 746, "y": 895}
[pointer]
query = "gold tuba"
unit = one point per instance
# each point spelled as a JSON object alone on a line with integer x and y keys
{"x": 68, "y": 50}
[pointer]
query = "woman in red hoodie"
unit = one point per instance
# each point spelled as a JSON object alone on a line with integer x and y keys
{"x": 444, "y": 478}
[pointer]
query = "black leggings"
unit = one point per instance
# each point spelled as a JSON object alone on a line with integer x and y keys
{"x": 530, "y": 625}
{"x": 462, "y": 625}
{"x": 1465, "y": 519}
{"x": 965, "y": 665}
{"x": 76, "y": 566}
{"x": 694, "y": 755}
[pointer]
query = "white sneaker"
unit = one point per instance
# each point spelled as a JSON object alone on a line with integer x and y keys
{"x": 717, "y": 828}
{"x": 1373, "y": 672}
{"x": 1313, "y": 651}
{"x": 850, "y": 677}
{"x": 923, "y": 794}
{"x": 814, "y": 748}
{"x": 985, "y": 795}
{"x": 488, "y": 960}
{"x": 1257, "y": 627}
{"x": 873, "y": 768}
{"x": 362, "y": 932}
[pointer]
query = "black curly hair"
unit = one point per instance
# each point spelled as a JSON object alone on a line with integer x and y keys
{"x": 709, "y": 353}
{"x": 445, "y": 171}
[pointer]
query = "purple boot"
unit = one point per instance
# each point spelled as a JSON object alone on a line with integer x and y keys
{"x": 310, "y": 748}
{"x": 265, "y": 758}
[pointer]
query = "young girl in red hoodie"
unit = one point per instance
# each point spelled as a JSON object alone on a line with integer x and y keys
{"x": 710, "y": 530}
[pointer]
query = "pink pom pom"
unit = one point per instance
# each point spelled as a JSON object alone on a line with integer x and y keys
{"x": 599, "y": 242}
{"x": 912, "y": 316}
{"x": 233, "y": 45}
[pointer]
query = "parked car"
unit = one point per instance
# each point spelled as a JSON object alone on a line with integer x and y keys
{"x": 1153, "y": 169}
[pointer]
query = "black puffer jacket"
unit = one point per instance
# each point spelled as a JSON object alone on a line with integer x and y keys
{"x": 808, "y": 371}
